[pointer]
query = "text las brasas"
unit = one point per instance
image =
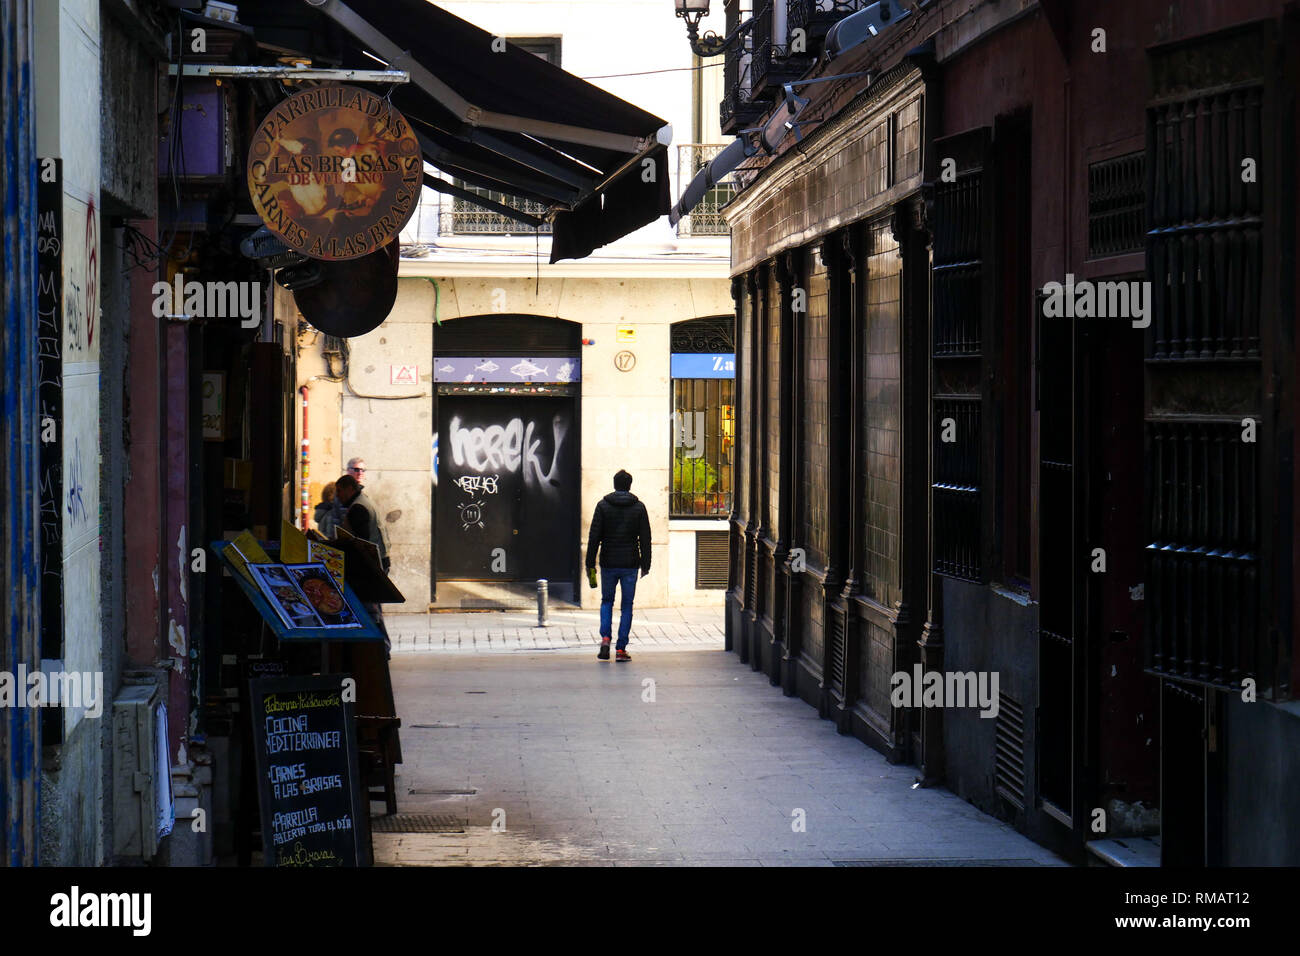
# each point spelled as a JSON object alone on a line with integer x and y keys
{"x": 291, "y": 780}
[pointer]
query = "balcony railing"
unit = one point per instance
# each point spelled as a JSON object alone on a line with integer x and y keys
{"x": 706, "y": 218}
{"x": 770, "y": 53}
{"x": 776, "y": 59}
{"x": 763, "y": 50}
{"x": 737, "y": 110}
{"x": 460, "y": 217}
{"x": 815, "y": 17}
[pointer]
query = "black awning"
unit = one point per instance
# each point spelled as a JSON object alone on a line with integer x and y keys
{"x": 505, "y": 119}
{"x": 636, "y": 198}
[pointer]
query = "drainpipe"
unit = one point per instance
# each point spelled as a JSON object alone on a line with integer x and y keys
{"x": 304, "y": 494}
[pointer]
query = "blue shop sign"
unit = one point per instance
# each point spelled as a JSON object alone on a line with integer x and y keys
{"x": 704, "y": 365}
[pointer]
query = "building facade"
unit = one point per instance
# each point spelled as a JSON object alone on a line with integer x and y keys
{"x": 1015, "y": 401}
{"x": 620, "y": 360}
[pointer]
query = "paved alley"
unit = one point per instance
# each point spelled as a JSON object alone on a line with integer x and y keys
{"x": 517, "y": 755}
{"x": 476, "y": 632}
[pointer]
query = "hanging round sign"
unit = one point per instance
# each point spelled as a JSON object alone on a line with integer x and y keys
{"x": 335, "y": 171}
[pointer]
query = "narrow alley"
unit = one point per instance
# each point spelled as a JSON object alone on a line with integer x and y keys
{"x": 681, "y": 757}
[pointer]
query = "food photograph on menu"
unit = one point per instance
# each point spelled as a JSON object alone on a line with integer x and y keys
{"x": 293, "y": 606}
{"x": 322, "y": 593}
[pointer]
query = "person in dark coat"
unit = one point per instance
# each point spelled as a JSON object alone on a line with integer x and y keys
{"x": 361, "y": 519}
{"x": 620, "y": 533}
{"x": 326, "y": 519}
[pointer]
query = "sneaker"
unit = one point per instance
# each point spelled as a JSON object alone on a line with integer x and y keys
{"x": 603, "y": 653}
{"x": 623, "y": 656}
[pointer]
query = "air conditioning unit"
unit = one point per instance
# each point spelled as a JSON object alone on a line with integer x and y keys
{"x": 143, "y": 810}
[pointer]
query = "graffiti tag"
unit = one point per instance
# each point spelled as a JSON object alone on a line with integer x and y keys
{"x": 473, "y": 484}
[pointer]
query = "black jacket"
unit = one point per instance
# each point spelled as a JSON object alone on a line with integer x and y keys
{"x": 620, "y": 530}
{"x": 362, "y": 520}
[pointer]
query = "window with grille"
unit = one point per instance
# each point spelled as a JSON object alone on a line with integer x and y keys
{"x": 958, "y": 279}
{"x": 705, "y": 218}
{"x": 704, "y": 418}
{"x": 1203, "y": 556}
{"x": 703, "y": 446}
{"x": 1207, "y": 489}
{"x": 1205, "y": 223}
{"x": 1117, "y": 205}
{"x": 957, "y": 487}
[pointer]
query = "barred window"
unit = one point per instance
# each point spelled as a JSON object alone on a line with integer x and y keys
{"x": 959, "y": 277}
{"x": 704, "y": 417}
{"x": 705, "y": 219}
{"x": 703, "y": 446}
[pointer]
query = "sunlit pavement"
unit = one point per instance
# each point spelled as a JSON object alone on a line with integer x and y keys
{"x": 680, "y": 757}
{"x": 476, "y": 632}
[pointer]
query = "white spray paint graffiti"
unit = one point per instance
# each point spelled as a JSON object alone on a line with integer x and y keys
{"x": 475, "y": 483}
{"x": 508, "y": 447}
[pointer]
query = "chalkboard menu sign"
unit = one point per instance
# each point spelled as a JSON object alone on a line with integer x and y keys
{"x": 304, "y": 742}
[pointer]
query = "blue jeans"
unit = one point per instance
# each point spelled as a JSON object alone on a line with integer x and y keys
{"x": 609, "y": 577}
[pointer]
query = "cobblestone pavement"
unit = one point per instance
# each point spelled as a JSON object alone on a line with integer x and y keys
{"x": 683, "y": 757}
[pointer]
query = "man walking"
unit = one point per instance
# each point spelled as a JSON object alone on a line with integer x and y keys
{"x": 620, "y": 532}
{"x": 361, "y": 517}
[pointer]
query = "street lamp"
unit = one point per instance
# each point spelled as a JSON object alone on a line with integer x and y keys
{"x": 692, "y": 11}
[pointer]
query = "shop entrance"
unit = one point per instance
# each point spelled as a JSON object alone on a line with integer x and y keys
{"x": 508, "y": 491}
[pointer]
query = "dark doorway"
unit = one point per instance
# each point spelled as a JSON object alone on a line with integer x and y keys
{"x": 508, "y": 491}
{"x": 1185, "y": 733}
{"x": 1058, "y": 550}
{"x": 1123, "y": 727}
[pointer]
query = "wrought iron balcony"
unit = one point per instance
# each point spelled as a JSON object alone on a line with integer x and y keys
{"x": 775, "y": 62}
{"x": 771, "y": 52}
{"x": 766, "y": 51}
{"x": 705, "y": 219}
{"x": 816, "y": 17}
{"x": 737, "y": 110}
{"x": 460, "y": 217}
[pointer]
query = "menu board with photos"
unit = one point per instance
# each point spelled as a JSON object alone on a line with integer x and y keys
{"x": 283, "y": 592}
{"x": 304, "y": 595}
{"x": 305, "y": 750}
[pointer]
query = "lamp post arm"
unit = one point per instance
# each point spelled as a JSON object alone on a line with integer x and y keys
{"x": 711, "y": 44}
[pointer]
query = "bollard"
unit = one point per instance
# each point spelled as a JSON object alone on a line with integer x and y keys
{"x": 542, "y": 595}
